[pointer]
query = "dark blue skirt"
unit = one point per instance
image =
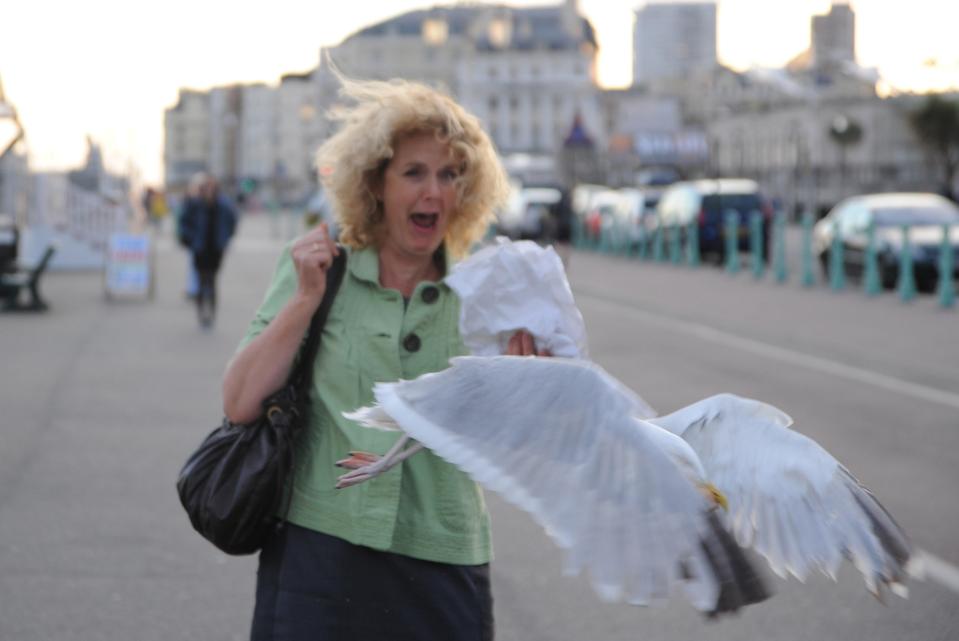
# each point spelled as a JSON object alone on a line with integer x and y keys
{"x": 312, "y": 586}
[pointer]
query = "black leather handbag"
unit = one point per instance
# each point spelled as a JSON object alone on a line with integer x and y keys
{"x": 235, "y": 486}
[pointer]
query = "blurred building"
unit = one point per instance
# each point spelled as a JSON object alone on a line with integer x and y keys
{"x": 648, "y": 130}
{"x": 833, "y": 36}
{"x": 14, "y": 183}
{"x": 688, "y": 112}
{"x": 792, "y": 153}
{"x": 298, "y": 134}
{"x": 527, "y": 73}
{"x": 14, "y": 169}
{"x": 671, "y": 40}
{"x": 186, "y": 128}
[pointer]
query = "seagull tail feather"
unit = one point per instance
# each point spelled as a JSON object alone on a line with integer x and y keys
{"x": 740, "y": 584}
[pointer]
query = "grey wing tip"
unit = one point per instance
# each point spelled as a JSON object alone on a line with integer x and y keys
{"x": 900, "y": 559}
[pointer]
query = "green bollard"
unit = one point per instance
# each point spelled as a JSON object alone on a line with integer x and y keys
{"x": 692, "y": 244}
{"x": 756, "y": 244}
{"x": 947, "y": 287}
{"x": 837, "y": 272}
{"x": 643, "y": 246}
{"x": 870, "y": 278}
{"x": 623, "y": 239}
{"x": 808, "y": 278}
{"x": 658, "y": 249}
{"x": 907, "y": 278}
{"x": 675, "y": 244}
{"x": 732, "y": 242}
{"x": 603, "y": 239}
{"x": 779, "y": 248}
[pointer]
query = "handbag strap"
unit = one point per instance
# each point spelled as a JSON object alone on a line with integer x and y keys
{"x": 302, "y": 375}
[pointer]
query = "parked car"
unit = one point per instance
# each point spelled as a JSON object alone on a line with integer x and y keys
{"x": 581, "y": 198}
{"x": 529, "y": 213}
{"x": 707, "y": 202}
{"x": 925, "y": 214}
{"x": 620, "y": 211}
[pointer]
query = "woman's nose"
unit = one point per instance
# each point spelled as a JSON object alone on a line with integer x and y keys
{"x": 433, "y": 187}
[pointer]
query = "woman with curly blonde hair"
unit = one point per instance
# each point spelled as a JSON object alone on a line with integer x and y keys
{"x": 414, "y": 182}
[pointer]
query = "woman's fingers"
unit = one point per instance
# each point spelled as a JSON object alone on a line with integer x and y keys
{"x": 522, "y": 343}
{"x": 312, "y": 255}
{"x": 317, "y": 247}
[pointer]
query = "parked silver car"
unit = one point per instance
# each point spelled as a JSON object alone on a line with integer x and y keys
{"x": 527, "y": 213}
{"x": 924, "y": 214}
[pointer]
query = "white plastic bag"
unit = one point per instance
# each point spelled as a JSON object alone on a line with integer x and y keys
{"x": 517, "y": 285}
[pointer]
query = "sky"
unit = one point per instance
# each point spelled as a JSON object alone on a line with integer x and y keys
{"x": 109, "y": 68}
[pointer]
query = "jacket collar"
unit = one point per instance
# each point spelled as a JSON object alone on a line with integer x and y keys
{"x": 364, "y": 264}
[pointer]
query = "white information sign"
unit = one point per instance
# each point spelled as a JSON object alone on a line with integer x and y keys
{"x": 128, "y": 265}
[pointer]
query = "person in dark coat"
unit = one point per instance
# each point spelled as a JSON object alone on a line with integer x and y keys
{"x": 206, "y": 227}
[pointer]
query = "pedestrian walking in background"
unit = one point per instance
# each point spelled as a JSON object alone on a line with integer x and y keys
{"x": 156, "y": 207}
{"x": 192, "y": 193}
{"x": 414, "y": 184}
{"x": 206, "y": 225}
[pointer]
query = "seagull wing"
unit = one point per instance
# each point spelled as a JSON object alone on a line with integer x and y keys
{"x": 559, "y": 439}
{"x": 788, "y": 497}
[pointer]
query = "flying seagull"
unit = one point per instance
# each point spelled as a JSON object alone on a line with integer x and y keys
{"x": 650, "y": 506}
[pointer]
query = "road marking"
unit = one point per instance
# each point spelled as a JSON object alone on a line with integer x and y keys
{"x": 934, "y": 568}
{"x": 817, "y": 363}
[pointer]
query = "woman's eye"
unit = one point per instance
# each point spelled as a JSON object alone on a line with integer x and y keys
{"x": 448, "y": 175}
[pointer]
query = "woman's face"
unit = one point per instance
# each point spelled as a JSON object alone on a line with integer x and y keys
{"x": 418, "y": 193}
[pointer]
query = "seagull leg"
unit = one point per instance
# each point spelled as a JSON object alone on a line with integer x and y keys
{"x": 365, "y": 466}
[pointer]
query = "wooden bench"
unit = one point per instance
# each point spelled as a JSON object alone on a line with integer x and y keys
{"x": 13, "y": 283}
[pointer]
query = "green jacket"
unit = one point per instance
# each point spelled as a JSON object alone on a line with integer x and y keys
{"x": 423, "y": 508}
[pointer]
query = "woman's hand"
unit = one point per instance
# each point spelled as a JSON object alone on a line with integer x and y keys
{"x": 522, "y": 344}
{"x": 312, "y": 256}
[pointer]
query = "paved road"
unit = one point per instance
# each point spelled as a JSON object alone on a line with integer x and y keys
{"x": 101, "y": 402}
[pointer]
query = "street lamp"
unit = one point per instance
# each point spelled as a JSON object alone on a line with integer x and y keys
{"x": 844, "y": 131}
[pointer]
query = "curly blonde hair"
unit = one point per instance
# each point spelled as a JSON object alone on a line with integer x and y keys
{"x": 353, "y": 160}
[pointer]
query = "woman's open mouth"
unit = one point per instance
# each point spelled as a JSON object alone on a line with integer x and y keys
{"x": 424, "y": 221}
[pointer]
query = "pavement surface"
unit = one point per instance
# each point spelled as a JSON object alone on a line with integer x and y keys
{"x": 101, "y": 402}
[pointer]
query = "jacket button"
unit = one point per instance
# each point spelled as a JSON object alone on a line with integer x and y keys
{"x": 430, "y": 294}
{"x": 411, "y": 343}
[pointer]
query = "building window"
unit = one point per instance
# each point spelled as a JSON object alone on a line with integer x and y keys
{"x": 498, "y": 32}
{"x": 435, "y": 31}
